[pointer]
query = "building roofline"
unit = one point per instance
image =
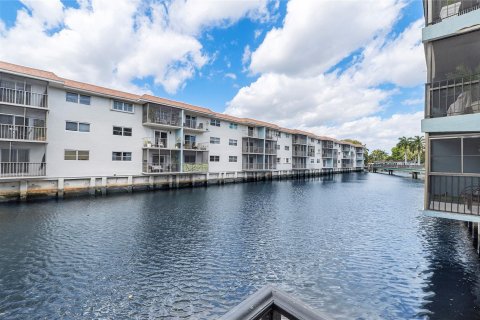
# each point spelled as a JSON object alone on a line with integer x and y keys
{"x": 146, "y": 98}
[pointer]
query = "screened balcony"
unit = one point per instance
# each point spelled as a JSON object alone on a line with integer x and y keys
{"x": 23, "y": 133}
{"x": 454, "y": 178}
{"x": 299, "y": 151}
{"x": 299, "y": 139}
{"x": 160, "y": 161}
{"x": 271, "y": 134}
{"x": 23, "y": 92}
{"x": 192, "y": 123}
{"x": 311, "y": 151}
{"x": 162, "y": 116}
{"x": 252, "y": 146}
{"x": 252, "y": 162}
{"x": 455, "y": 70}
{"x": 444, "y": 9}
{"x": 194, "y": 161}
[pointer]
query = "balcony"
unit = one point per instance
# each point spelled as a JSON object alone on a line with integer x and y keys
{"x": 195, "y": 146}
{"x": 23, "y": 133}
{"x": 195, "y": 167}
{"x": 23, "y": 98}
{"x": 195, "y": 126}
{"x": 444, "y": 9}
{"x": 251, "y": 133}
{"x": 326, "y": 154}
{"x": 157, "y": 143}
{"x": 157, "y": 168}
{"x": 299, "y": 166}
{"x": 271, "y": 135}
{"x": 454, "y": 194}
{"x": 252, "y": 149}
{"x": 252, "y": 166}
{"x": 271, "y": 166}
{"x": 22, "y": 169}
{"x": 454, "y": 96}
{"x": 271, "y": 151}
{"x": 299, "y": 153}
{"x": 162, "y": 117}
{"x": 299, "y": 140}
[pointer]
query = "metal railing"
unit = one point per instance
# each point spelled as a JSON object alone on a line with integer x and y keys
{"x": 270, "y": 151}
{"x": 271, "y": 135}
{"x": 251, "y": 133}
{"x": 299, "y": 166}
{"x": 457, "y": 8}
{"x": 22, "y": 169}
{"x": 252, "y": 149}
{"x": 456, "y": 194}
{"x": 18, "y": 132}
{"x": 196, "y": 146}
{"x": 194, "y": 124}
{"x": 162, "y": 116}
{"x": 270, "y": 166}
{"x": 252, "y": 166}
{"x": 24, "y": 98}
{"x": 299, "y": 153}
{"x": 155, "y": 142}
{"x": 299, "y": 141}
{"x": 160, "y": 167}
{"x": 195, "y": 167}
{"x": 453, "y": 96}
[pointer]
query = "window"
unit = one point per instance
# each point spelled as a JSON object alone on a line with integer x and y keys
{"x": 446, "y": 155}
{"x": 232, "y": 159}
{"x": 312, "y": 160}
{"x": 214, "y": 158}
{"x": 287, "y": 148}
{"x": 287, "y": 135}
{"x": 121, "y": 156}
{"x": 85, "y": 100}
{"x": 287, "y": 160}
{"x": 471, "y": 155}
{"x": 77, "y": 155}
{"x": 278, "y": 160}
{"x": 215, "y": 122}
{"x": 122, "y": 106}
{"x": 77, "y": 126}
{"x": 72, "y": 97}
{"x": 318, "y": 160}
{"x": 232, "y": 142}
{"x": 233, "y": 125}
{"x": 77, "y": 98}
{"x": 214, "y": 140}
{"x": 121, "y": 131}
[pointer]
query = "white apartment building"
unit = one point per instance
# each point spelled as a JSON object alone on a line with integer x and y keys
{"x": 56, "y": 127}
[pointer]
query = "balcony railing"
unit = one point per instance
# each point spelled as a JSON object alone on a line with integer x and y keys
{"x": 270, "y": 166}
{"x": 299, "y": 165}
{"x": 26, "y": 133}
{"x": 251, "y": 133}
{"x": 195, "y": 125}
{"x": 270, "y": 151}
{"x": 155, "y": 143}
{"x": 456, "y": 194}
{"x": 160, "y": 168}
{"x": 453, "y": 8}
{"x": 195, "y": 167}
{"x": 160, "y": 115}
{"x": 22, "y": 169}
{"x": 299, "y": 141}
{"x": 454, "y": 96}
{"x": 252, "y": 149}
{"x": 327, "y": 154}
{"x": 299, "y": 153}
{"x": 271, "y": 135}
{"x": 252, "y": 166}
{"x": 196, "y": 146}
{"x": 24, "y": 98}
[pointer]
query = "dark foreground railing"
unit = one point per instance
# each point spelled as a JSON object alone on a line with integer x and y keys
{"x": 457, "y": 194}
{"x": 272, "y": 304}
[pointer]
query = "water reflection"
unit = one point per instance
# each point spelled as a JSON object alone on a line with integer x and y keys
{"x": 354, "y": 246}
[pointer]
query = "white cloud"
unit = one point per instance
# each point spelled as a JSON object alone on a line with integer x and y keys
{"x": 112, "y": 43}
{"x": 257, "y": 33}
{"x": 246, "y": 55}
{"x": 232, "y": 76}
{"x": 413, "y": 102}
{"x": 294, "y": 91}
{"x": 318, "y": 34}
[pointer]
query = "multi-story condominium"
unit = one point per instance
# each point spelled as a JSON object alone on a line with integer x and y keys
{"x": 56, "y": 127}
{"x": 452, "y": 108}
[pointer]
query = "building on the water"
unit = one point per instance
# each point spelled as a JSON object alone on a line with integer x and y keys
{"x": 54, "y": 127}
{"x": 452, "y": 108}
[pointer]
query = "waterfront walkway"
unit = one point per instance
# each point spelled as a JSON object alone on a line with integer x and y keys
{"x": 391, "y": 167}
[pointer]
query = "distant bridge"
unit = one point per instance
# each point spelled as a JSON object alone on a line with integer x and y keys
{"x": 391, "y": 167}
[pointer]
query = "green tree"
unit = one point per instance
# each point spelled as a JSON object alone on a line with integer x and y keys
{"x": 397, "y": 154}
{"x": 418, "y": 146}
{"x": 404, "y": 144}
{"x": 377, "y": 155}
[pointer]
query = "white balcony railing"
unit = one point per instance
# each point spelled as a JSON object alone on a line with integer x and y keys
{"x": 195, "y": 125}
{"x": 15, "y": 132}
{"x": 252, "y": 166}
{"x": 24, "y": 98}
{"x": 252, "y": 149}
{"x": 161, "y": 143}
{"x": 22, "y": 169}
{"x": 160, "y": 167}
{"x": 195, "y": 146}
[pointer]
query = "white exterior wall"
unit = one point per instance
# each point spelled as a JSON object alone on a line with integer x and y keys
{"x": 283, "y": 154}
{"x": 224, "y": 150}
{"x": 100, "y": 141}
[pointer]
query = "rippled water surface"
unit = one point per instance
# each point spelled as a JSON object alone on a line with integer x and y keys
{"x": 354, "y": 246}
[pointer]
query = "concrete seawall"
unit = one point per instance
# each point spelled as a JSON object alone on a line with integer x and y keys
{"x": 34, "y": 188}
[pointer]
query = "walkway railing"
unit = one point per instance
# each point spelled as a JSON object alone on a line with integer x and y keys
{"x": 24, "y": 98}
{"x": 22, "y": 169}
{"x": 272, "y": 303}
{"x": 17, "y": 132}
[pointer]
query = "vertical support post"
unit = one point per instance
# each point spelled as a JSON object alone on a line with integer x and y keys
{"x": 60, "y": 188}
{"x": 91, "y": 189}
{"x": 129, "y": 184}
{"x": 23, "y": 190}
{"x": 151, "y": 184}
{"x": 104, "y": 186}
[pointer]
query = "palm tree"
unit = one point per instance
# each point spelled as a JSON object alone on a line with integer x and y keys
{"x": 418, "y": 144}
{"x": 404, "y": 144}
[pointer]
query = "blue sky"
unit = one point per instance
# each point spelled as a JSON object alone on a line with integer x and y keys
{"x": 348, "y": 69}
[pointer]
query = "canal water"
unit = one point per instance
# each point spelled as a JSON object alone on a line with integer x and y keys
{"x": 353, "y": 246}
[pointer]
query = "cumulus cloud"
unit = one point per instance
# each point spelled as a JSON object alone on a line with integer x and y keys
{"x": 113, "y": 43}
{"x": 296, "y": 87}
